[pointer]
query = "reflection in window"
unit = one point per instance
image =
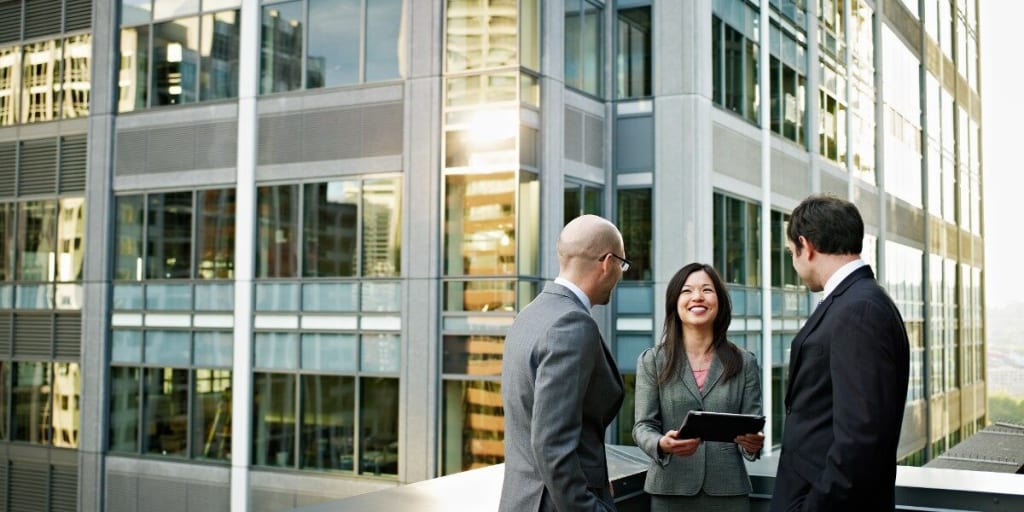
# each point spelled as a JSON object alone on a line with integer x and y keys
{"x": 76, "y": 87}
{"x": 30, "y": 402}
{"x": 169, "y": 236}
{"x": 211, "y": 414}
{"x": 10, "y": 65}
{"x": 166, "y": 411}
{"x": 40, "y": 87}
{"x": 66, "y": 392}
{"x": 583, "y": 46}
{"x": 580, "y": 199}
{"x": 218, "y": 53}
{"x": 480, "y": 36}
{"x": 124, "y": 409}
{"x": 133, "y": 73}
{"x": 273, "y": 423}
{"x": 215, "y": 234}
{"x": 128, "y": 238}
{"x": 737, "y": 240}
{"x": 281, "y": 44}
{"x": 382, "y": 228}
{"x": 328, "y": 422}
{"x": 480, "y": 224}
{"x": 378, "y": 416}
{"x": 473, "y": 355}
{"x": 277, "y": 218}
{"x": 70, "y": 235}
{"x": 634, "y": 59}
{"x": 175, "y": 61}
{"x": 330, "y": 221}
{"x": 5, "y": 371}
{"x": 734, "y": 60}
{"x": 36, "y": 240}
{"x": 473, "y": 425}
{"x": 334, "y": 27}
{"x": 6, "y": 242}
{"x": 635, "y": 214}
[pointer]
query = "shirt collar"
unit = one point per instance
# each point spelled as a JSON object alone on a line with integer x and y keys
{"x": 574, "y": 289}
{"x": 842, "y": 273}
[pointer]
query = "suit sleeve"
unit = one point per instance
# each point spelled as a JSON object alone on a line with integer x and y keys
{"x": 648, "y": 429}
{"x": 863, "y": 366}
{"x": 566, "y": 362}
{"x": 752, "y": 401}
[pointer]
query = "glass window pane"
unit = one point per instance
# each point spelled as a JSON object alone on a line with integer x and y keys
{"x": 473, "y": 426}
{"x": 378, "y": 417}
{"x": 33, "y": 296}
{"x": 333, "y": 352}
{"x": 66, "y": 393}
{"x": 628, "y": 349}
{"x": 473, "y": 355}
{"x": 380, "y": 353}
{"x": 6, "y": 297}
{"x": 128, "y": 238}
{"x": 277, "y": 243}
{"x": 635, "y": 221}
{"x": 527, "y": 239}
{"x": 480, "y": 37}
{"x": 166, "y": 411}
{"x": 479, "y": 296}
{"x": 384, "y": 42}
{"x": 169, "y": 297}
{"x": 168, "y": 347}
{"x": 330, "y": 297}
{"x": 216, "y": 5}
{"x": 136, "y": 11}
{"x": 382, "y": 228}
{"x": 215, "y": 297}
{"x": 380, "y": 297}
{"x": 213, "y": 349}
{"x": 171, "y": 8}
{"x": 278, "y": 296}
{"x": 328, "y": 422}
{"x": 215, "y": 234}
{"x": 6, "y": 240}
{"x": 175, "y": 61}
{"x": 133, "y": 73}
{"x": 592, "y": 54}
{"x": 30, "y": 402}
{"x": 218, "y": 53}
{"x": 5, "y": 370}
{"x": 277, "y": 350}
{"x": 10, "y": 72}
{"x": 124, "y": 409}
{"x": 70, "y": 237}
{"x": 529, "y": 34}
{"x": 330, "y": 229}
{"x": 77, "y": 72}
{"x": 634, "y": 59}
{"x": 169, "y": 239}
{"x": 480, "y": 226}
{"x": 573, "y": 27}
{"x": 36, "y": 240}
{"x": 273, "y": 422}
{"x": 211, "y": 414}
{"x": 126, "y": 346}
{"x": 334, "y": 37}
{"x": 592, "y": 202}
{"x": 572, "y": 205}
{"x": 40, "y": 79}
{"x": 281, "y": 44}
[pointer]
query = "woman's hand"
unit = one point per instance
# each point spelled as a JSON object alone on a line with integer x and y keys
{"x": 678, "y": 447}
{"x": 751, "y": 443}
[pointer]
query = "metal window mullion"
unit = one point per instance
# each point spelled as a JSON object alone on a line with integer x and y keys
{"x": 143, "y": 274}
{"x": 140, "y": 425}
{"x": 303, "y": 52}
{"x": 357, "y": 441}
{"x": 297, "y": 427}
{"x": 193, "y": 253}
{"x": 363, "y": 31}
{"x": 189, "y": 398}
{"x": 300, "y": 236}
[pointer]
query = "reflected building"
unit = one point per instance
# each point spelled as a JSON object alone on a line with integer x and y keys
{"x": 295, "y": 287}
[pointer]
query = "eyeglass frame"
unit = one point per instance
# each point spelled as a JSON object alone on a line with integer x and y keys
{"x": 624, "y": 263}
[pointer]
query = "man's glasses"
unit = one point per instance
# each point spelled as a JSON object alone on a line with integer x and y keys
{"x": 624, "y": 264}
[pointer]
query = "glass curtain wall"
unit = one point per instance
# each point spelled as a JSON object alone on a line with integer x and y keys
{"x": 832, "y": 99}
{"x": 902, "y": 112}
{"x": 45, "y": 80}
{"x": 734, "y": 53}
{"x": 491, "y": 211}
{"x": 862, "y": 91}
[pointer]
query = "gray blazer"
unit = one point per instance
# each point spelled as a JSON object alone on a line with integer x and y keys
{"x": 716, "y": 468}
{"x": 560, "y": 389}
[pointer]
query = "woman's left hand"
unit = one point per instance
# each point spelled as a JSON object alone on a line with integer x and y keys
{"x": 751, "y": 443}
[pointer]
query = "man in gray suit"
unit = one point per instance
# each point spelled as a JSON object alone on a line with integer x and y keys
{"x": 559, "y": 385}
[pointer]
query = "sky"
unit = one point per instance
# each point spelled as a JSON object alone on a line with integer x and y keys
{"x": 1002, "y": 100}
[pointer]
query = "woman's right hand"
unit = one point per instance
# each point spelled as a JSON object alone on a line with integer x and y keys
{"x": 678, "y": 447}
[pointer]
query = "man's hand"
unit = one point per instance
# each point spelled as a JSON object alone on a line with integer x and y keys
{"x": 751, "y": 443}
{"x": 678, "y": 447}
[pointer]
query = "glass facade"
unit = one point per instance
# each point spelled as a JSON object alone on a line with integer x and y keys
{"x": 734, "y": 57}
{"x": 45, "y": 80}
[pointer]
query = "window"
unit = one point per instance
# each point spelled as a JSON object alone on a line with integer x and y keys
{"x": 787, "y": 70}
{"x": 45, "y": 80}
{"x": 635, "y": 219}
{"x": 634, "y": 53}
{"x": 734, "y": 62}
{"x": 343, "y": 42}
{"x": 584, "y": 55}
{"x": 37, "y": 392}
{"x": 580, "y": 199}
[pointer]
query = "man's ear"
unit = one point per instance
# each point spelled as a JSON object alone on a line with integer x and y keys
{"x": 808, "y": 247}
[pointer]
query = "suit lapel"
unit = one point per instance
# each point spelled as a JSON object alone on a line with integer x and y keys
{"x": 715, "y": 371}
{"x": 689, "y": 382}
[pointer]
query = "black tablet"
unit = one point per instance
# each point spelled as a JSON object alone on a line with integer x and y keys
{"x": 719, "y": 426}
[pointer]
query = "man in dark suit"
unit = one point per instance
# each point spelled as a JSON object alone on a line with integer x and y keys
{"x": 848, "y": 367}
{"x": 560, "y": 386}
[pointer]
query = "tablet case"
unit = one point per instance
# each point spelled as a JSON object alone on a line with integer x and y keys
{"x": 719, "y": 426}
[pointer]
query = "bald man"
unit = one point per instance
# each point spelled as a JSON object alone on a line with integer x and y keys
{"x": 560, "y": 386}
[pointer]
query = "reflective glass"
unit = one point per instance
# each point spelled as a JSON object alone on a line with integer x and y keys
{"x": 68, "y": 296}
{"x": 169, "y": 297}
{"x": 634, "y": 59}
{"x": 36, "y": 240}
{"x": 380, "y": 353}
{"x": 330, "y": 297}
{"x": 77, "y": 72}
{"x": 211, "y": 414}
{"x": 635, "y": 214}
{"x": 168, "y": 347}
{"x": 126, "y": 346}
{"x": 136, "y": 11}
{"x": 527, "y": 239}
{"x": 215, "y": 234}
{"x": 40, "y": 81}
{"x": 334, "y": 36}
{"x": 7, "y": 242}
{"x": 276, "y": 350}
{"x": 382, "y": 228}
{"x": 331, "y": 352}
{"x": 165, "y": 409}
{"x": 273, "y": 422}
{"x": 5, "y": 371}
{"x": 480, "y": 35}
{"x": 328, "y": 422}
{"x": 216, "y": 5}
{"x": 480, "y": 224}
{"x": 70, "y": 239}
{"x": 277, "y": 237}
{"x": 529, "y": 34}
{"x": 592, "y": 55}
{"x": 212, "y": 349}
{"x": 330, "y": 229}
{"x": 573, "y": 29}
{"x": 473, "y": 355}
{"x": 10, "y": 71}
{"x": 218, "y": 54}
{"x": 124, "y": 410}
{"x": 479, "y": 295}
{"x": 380, "y": 297}
{"x": 473, "y": 426}
{"x": 172, "y": 8}
{"x": 175, "y": 61}
{"x": 278, "y": 297}
{"x": 169, "y": 237}
{"x": 385, "y": 45}
{"x": 281, "y": 48}
{"x": 215, "y": 297}
{"x": 133, "y": 72}
{"x": 66, "y": 392}
{"x": 33, "y": 296}
{"x": 6, "y": 296}
{"x": 378, "y": 417}
{"x": 571, "y": 202}
{"x": 30, "y": 403}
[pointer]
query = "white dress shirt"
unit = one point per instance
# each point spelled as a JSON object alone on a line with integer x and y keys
{"x": 575, "y": 289}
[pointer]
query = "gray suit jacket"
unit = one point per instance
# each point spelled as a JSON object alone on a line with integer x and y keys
{"x": 560, "y": 389}
{"x": 716, "y": 468}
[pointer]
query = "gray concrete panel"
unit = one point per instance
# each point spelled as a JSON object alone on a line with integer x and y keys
{"x": 789, "y": 176}
{"x": 184, "y": 115}
{"x": 866, "y": 199}
{"x": 328, "y": 98}
{"x": 832, "y": 182}
{"x": 904, "y": 220}
{"x": 179, "y": 180}
{"x": 736, "y": 155}
{"x": 553, "y": 167}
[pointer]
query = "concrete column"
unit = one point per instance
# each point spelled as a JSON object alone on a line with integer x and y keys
{"x": 552, "y": 136}
{"x": 92, "y": 428}
{"x": 422, "y": 247}
{"x": 812, "y": 128}
{"x": 764, "y": 70}
{"x": 879, "y": 57}
{"x": 682, "y": 192}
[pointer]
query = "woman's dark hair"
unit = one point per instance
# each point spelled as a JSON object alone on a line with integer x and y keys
{"x": 672, "y": 333}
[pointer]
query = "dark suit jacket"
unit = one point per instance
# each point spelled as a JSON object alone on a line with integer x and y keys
{"x": 844, "y": 403}
{"x": 560, "y": 389}
{"x": 716, "y": 468}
